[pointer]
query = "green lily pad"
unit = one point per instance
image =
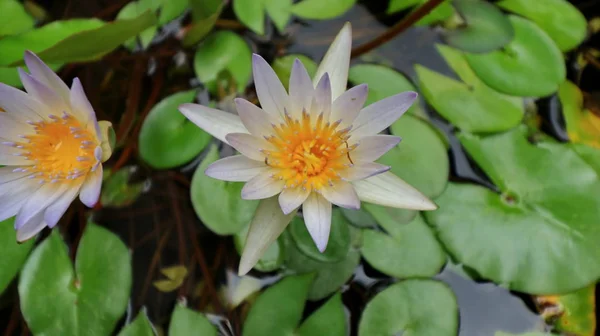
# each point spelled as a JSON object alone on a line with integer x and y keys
{"x": 279, "y": 309}
{"x": 547, "y": 215}
{"x": 410, "y": 250}
{"x": 339, "y": 239}
{"x": 359, "y": 218}
{"x": 13, "y": 253}
{"x": 562, "y": 21}
{"x": 205, "y": 14}
{"x": 574, "y": 313}
{"x": 117, "y": 191}
{"x": 14, "y": 18}
{"x": 90, "y": 300}
{"x": 485, "y": 29}
{"x": 589, "y": 154}
{"x": 412, "y": 307}
{"x": 383, "y": 82}
{"x": 271, "y": 260}
{"x": 421, "y": 158}
{"x": 470, "y": 105}
{"x": 219, "y": 203}
{"x": 442, "y": 12}
{"x": 583, "y": 126}
{"x": 531, "y": 65}
{"x": 533, "y": 333}
{"x": 330, "y": 276}
{"x": 386, "y": 214}
{"x": 167, "y": 138}
{"x": 171, "y": 9}
{"x": 141, "y": 326}
{"x": 94, "y": 43}
{"x": 223, "y": 51}
{"x": 283, "y": 67}
{"x": 321, "y": 10}
{"x": 252, "y": 13}
{"x": 133, "y": 10}
{"x": 185, "y": 322}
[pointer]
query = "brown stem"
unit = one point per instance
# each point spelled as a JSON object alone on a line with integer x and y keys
{"x": 398, "y": 28}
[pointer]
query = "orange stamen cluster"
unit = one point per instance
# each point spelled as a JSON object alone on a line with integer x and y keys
{"x": 61, "y": 150}
{"x": 309, "y": 153}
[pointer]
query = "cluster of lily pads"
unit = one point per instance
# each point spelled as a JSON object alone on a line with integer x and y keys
{"x": 532, "y": 228}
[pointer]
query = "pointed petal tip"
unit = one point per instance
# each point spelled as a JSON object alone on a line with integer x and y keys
{"x": 244, "y": 269}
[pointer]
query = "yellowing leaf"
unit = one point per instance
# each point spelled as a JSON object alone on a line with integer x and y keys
{"x": 583, "y": 126}
{"x": 175, "y": 276}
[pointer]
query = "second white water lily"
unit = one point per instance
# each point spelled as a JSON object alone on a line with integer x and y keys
{"x": 312, "y": 147}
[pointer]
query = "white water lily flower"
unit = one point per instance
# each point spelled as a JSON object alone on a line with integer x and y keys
{"x": 314, "y": 147}
{"x": 51, "y": 146}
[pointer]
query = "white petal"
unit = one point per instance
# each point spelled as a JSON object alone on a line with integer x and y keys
{"x": 11, "y": 129}
{"x": 57, "y": 209}
{"x": 44, "y": 74}
{"x": 342, "y": 194}
{"x": 291, "y": 198}
{"x": 52, "y": 103}
{"x": 12, "y": 200}
{"x": 262, "y": 186}
{"x": 19, "y": 104}
{"x": 82, "y": 108}
{"x": 301, "y": 90}
{"x": 347, "y": 106}
{"x": 237, "y": 168}
{"x": 266, "y": 226}
{"x": 31, "y": 228}
{"x": 7, "y": 174}
{"x": 39, "y": 201}
{"x": 389, "y": 190}
{"x": 217, "y": 123}
{"x": 371, "y": 148}
{"x": 363, "y": 170}
{"x": 258, "y": 122}
{"x": 322, "y": 99}
{"x": 13, "y": 160}
{"x": 270, "y": 91}
{"x": 249, "y": 145}
{"x": 317, "y": 217}
{"x": 380, "y": 115}
{"x": 337, "y": 61}
{"x": 90, "y": 192}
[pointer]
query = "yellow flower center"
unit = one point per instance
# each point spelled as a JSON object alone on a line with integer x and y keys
{"x": 309, "y": 154}
{"x": 61, "y": 150}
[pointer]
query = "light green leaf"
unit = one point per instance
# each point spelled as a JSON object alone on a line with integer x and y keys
{"x": 411, "y": 307}
{"x": 251, "y": 13}
{"x": 329, "y": 320}
{"x": 223, "y": 51}
{"x": 117, "y": 191}
{"x": 515, "y": 70}
{"x": 167, "y": 138}
{"x": 339, "y": 239}
{"x": 280, "y": 11}
{"x": 558, "y": 18}
{"x": 171, "y": 9}
{"x": 205, "y": 13}
{"x": 133, "y": 10}
{"x": 442, "y": 12}
{"x": 410, "y": 250}
{"x": 486, "y": 28}
{"x": 533, "y": 333}
{"x": 547, "y": 215}
{"x": 321, "y": 10}
{"x": 141, "y": 326}
{"x": 283, "y": 67}
{"x": 14, "y": 18}
{"x": 219, "y": 204}
{"x": 470, "y": 105}
{"x": 57, "y": 300}
{"x": 383, "y": 82}
{"x": 185, "y": 322}
{"x": 359, "y": 218}
{"x": 589, "y": 154}
{"x": 95, "y": 43}
{"x": 421, "y": 158}
{"x": 13, "y": 253}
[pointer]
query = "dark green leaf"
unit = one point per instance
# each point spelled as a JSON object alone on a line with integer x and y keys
{"x": 185, "y": 322}
{"x": 329, "y": 320}
{"x": 219, "y": 203}
{"x": 167, "y": 138}
{"x": 171, "y": 9}
{"x": 410, "y": 250}
{"x": 141, "y": 326}
{"x": 359, "y": 218}
{"x": 339, "y": 239}
{"x": 516, "y": 69}
{"x": 13, "y": 253}
{"x": 542, "y": 227}
{"x": 558, "y": 18}
{"x": 470, "y": 105}
{"x": 321, "y": 10}
{"x": 205, "y": 13}
{"x": 117, "y": 191}
{"x": 441, "y": 13}
{"x": 486, "y": 28}
{"x": 55, "y": 300}
{"x": 411, "y": 307}
{"x": 223, "y": 51}
{"x": 133, "y": 10}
